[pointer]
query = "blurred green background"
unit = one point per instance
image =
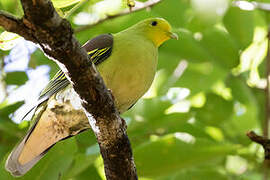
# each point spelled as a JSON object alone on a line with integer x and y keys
{"x": 191, "y": 125}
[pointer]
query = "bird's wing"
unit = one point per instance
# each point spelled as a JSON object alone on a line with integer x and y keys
{"x": 98, "y": 49}
{"x": 42, "y": 135}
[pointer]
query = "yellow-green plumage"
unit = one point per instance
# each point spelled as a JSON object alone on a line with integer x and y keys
{"x": 130, "y": 70}
{"x": 127, "y": 65}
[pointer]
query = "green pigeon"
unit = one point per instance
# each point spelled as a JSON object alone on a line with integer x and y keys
{"x": 127, "y": 62}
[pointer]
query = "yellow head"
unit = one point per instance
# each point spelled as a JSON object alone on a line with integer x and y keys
{"x": 157, "y": 30}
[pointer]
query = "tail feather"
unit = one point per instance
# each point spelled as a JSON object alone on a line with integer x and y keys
{"x": 55, "y": 123}
{"x": 14, "y": 166}
{"x": 47, "y": 131}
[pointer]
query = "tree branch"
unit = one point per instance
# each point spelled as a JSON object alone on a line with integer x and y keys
{"x": 13, "y": 24}
{"x": 138, "y": 7}
{"x": 42, "y": 25}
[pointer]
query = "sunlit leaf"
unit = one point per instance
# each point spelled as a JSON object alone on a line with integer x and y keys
{"x": 8, "y": 40}
{"x": 254, "y": 54}
{"x": 5, "y": 111}
{"x": 130, "y": 3}
{"x": 64, "y": 3}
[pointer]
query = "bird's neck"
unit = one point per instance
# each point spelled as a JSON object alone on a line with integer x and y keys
{"x": 136, "y": 34}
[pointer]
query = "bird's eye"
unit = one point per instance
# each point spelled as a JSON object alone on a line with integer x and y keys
{"x": 154, "y": 23}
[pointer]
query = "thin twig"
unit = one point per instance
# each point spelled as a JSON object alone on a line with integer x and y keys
{"x": 138, "y": 7}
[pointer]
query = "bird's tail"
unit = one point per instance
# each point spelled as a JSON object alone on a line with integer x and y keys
{"x": 39, "y": 139}
{"x": 52, "y": 124}
{"x": 17, "y": 162}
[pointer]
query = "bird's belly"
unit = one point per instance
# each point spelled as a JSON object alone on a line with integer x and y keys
{"x": 129, "y": 77}
{"x": 128, "y": 87}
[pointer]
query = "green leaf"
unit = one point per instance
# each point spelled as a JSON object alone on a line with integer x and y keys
{"x": 177, "y": 151}
{"x": 198, "y": 174}
{"x": 5, "y": 111}
{"x": 90, "y": 173}
{"x": 38, "y": 58}
{"x": 16, "y": 77}
{"x": 12, "y": 6}
{"x": 175, "y": 7}
{"x": 217, "y": 42}
{"x": 88, "y": 151}
{"x": 206, "y": 14}
{"x": 80, "y": 163}
{"x": 214, "y": 110}
{"x": 203, "y": 75}
{"x": 8, "y": 40}
{"x": 240, "y": 24}
{"x": 245, "y": 116}
{"x": 8, "y": 127}
{"x": 64, "y": 3}
{"x": 255, "y": 53}
{"x": 187, "y": 48}
{"x": 85, "y": 140}
{"x": 148, "y": 117}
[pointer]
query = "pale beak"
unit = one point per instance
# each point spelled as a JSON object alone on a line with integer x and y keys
{"x": 173, "y": 35}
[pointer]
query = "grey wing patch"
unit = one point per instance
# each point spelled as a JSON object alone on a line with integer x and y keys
{"x": 99, "y": 48}
{"x": 99, "y": 42}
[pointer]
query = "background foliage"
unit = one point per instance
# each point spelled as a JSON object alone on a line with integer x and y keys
{"x": 207, "y": 94}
